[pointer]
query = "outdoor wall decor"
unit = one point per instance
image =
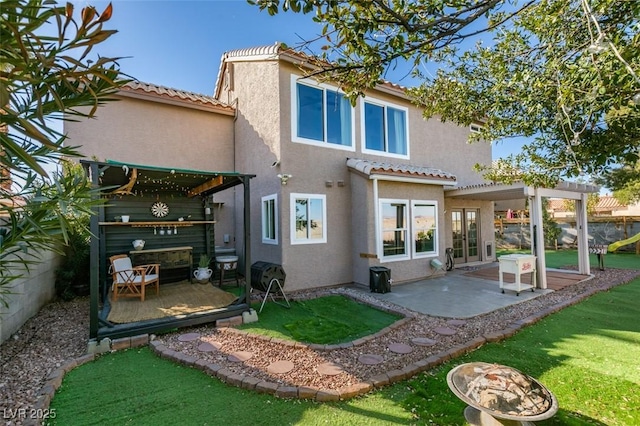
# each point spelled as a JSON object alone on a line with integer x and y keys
{"x": 159, "y": 209}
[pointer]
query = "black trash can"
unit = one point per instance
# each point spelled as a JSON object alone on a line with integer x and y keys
{"x": 379, "y": 279}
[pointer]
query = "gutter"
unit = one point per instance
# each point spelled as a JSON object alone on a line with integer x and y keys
{"x": 443, "y": 182}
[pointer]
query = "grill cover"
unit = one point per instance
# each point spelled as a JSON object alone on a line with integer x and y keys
{"x": 263, "y": 272}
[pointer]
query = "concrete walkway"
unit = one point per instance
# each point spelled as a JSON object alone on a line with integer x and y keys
{"x": 455, "y": 295}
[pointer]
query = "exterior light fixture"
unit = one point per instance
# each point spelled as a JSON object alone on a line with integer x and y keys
{"x": 284, "y": 177}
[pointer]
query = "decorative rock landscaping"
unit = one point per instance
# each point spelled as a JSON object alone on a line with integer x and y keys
{"x": 209, "y": 347}
{"x": 33, "y": 383}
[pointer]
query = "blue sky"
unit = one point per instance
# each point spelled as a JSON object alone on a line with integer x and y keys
{"x": 179, "y": 43}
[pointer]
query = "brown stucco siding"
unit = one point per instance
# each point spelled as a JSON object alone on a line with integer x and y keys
{"x": 487, "y": 228}
{"x": 156, "y": 134}
{"x": 413, "y": 269}
{"x": 257, "y": 147}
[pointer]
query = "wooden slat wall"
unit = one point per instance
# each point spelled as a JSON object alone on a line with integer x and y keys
{"x": 118, "y": 239}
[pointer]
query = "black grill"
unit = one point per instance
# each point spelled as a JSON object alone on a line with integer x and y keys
{"x": 263, "y": 272}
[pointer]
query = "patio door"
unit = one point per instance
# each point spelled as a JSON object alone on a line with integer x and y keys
{"x": 465, "y": 224}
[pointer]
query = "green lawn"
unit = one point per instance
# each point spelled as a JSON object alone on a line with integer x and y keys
{"x": 586, "y": 355}
{"x": 326, "y": 320}
{"x": 561, "y": 258}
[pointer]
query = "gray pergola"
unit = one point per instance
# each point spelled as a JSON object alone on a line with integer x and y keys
{"x": 518, "y": 190}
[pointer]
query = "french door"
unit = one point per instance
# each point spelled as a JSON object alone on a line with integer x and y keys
{"x": 465, "y": 224}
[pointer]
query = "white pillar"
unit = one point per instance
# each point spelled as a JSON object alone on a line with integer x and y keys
{"x": 582, "y": 230}
{"x": 536, "y": 220}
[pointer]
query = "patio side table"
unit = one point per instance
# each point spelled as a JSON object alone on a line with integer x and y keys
{"x": 227, "y": 264}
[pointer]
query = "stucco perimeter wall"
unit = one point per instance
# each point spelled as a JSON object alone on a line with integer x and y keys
{"x": 28, "y": 294}
{"x": 156, "y": 134}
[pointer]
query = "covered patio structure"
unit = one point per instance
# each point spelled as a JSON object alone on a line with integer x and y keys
{"x": 518, "y": 190}
{"x": 170, "y": 210}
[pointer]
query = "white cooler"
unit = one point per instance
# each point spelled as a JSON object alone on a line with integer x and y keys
{"x": 517, "y": 264}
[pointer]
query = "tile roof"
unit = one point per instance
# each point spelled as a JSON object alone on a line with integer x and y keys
{"x": 176, "y": 95}
{"x": 271, "y": 50}
{"x": 608, "y": 202}
{"x": 369, "y": 167}
{"x": 605, "y": 203}
{"x": 276, "y": 51}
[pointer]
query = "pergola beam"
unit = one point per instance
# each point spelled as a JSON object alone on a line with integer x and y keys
{"x": 210, "y": 184}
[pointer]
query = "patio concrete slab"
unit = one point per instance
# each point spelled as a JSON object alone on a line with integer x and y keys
{"x": 455, "y": 296}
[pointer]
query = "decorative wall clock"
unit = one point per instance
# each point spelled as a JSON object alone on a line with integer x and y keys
{"x": 159, "y": 209}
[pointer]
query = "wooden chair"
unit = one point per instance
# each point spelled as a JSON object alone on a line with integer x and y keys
{"x": 131, "y": 281}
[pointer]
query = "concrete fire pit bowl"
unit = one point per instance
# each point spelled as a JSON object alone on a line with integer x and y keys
{"x": 500, "y": 395}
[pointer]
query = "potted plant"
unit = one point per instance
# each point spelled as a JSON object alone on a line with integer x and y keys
{"x": 203, "y": 273}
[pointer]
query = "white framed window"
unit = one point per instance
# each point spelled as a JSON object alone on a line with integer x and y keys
{"x": 424, "y": 228}
{"x": 321, "y": 115}
{"x": 270, "y": 219}
{"x": 394, "y": 229}
{"x": 475, "y": 128}
{"x": 385, "y": 129}
{"x": 308, "y": 218}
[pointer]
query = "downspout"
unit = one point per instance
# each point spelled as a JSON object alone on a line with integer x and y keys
{"x": 376, "y": 214}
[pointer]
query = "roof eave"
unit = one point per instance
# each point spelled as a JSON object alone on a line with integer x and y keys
{"x": 151, "y": 97}
{"x": 424, "y": 180}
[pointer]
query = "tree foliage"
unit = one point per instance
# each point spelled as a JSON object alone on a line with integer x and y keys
{"x": 360, "y": 40}
{"x": 624, "y": 181}
{"x": 45, "y": 77}
{"x": 562, "y": 73}
{"x": 556, "y": 77}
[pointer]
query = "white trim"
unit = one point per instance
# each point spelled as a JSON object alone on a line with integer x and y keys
{"x": 292, "y": 210}
{"x": 363, "y": 132}
{"x": 475, "y": 128}
{"x": 376, "y": 216}
{"x": 276, "y": 213}
{"x": 295, "y": 79}
{"x": 436, "y": 246}
{"x": 380, "y": 226}
{"x": 391, "y": 178}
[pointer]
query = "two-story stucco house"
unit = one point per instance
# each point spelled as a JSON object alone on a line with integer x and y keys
{"x": 338, "y": 189}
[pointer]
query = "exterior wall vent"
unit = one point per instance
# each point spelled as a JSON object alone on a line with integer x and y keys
{"x": 489, "y": 250}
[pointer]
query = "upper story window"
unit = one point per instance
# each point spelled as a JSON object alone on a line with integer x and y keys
{"x": 270, "y": 219}
{"x": 385, "y": 129}
{"x": 475, "y": 128}
{"x": 320, "y": 115}
{"x": 308, "y": 218}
